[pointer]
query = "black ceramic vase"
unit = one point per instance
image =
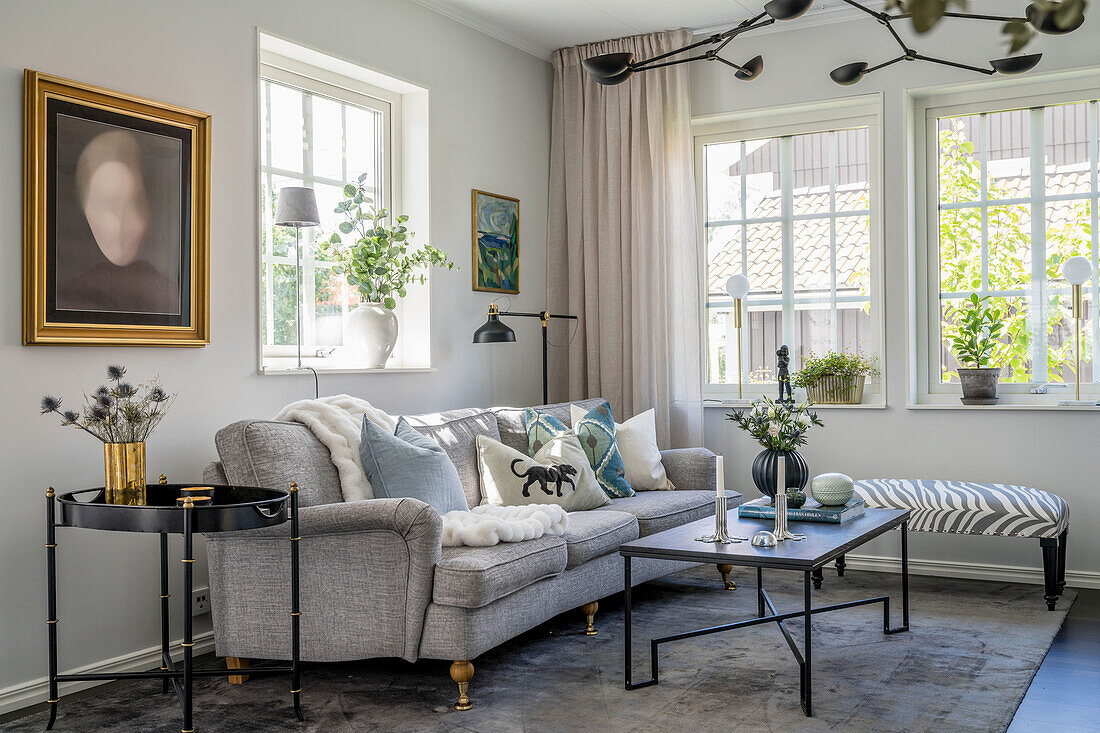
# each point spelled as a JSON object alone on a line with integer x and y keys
{"x": 765, "y": 467}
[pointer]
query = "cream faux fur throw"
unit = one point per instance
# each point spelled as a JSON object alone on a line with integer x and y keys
{"x": 487, "y": 525}
{"x": 338, "y": 423}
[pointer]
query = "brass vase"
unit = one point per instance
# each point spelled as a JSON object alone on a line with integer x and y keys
{"x": 124, "y": 473}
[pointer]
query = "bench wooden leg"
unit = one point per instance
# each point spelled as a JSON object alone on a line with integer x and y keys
{"x": 840, "y": 565}
{"x": 1062, "y": 540}
{"x": 237, "y": 663}
{"x": 818, "y": 577}
{"x": 1050, "y": 570}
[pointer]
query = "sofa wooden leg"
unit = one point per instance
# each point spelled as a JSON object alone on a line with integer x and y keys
{"x": 237, "y": 663}
{"x": 725, "y": 570}
{"x": 1050, "y": 570}
{"x": 589, "y": 611}
{"x": 462, "y": 672}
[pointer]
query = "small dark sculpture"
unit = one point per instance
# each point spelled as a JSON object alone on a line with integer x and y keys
{"x": 782, "y": 363}
{"x": 543, "y": 475}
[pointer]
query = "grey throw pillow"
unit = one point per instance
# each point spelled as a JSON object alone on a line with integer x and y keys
{"x": 410, "y": 465}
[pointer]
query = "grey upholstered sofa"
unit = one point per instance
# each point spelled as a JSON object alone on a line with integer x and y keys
{"x": 375, "y": 581}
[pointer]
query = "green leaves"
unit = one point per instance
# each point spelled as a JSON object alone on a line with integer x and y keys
{"x": 379, "y": 262}
{"x": 979, "y": 330}
{"x": 926, "y": 14}
{"x": 834, "y": 364}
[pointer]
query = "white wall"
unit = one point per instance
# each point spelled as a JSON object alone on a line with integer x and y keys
{"x": 489, "y": 129}
{"x": 1045, "y": 449}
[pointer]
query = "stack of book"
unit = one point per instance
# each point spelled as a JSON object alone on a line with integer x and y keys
{"x": 811, "y": 511}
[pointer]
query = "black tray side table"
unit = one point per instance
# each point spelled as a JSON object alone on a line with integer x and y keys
{"x": 175, "y": 509}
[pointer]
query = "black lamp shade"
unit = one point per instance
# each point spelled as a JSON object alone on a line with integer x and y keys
{"x": 608, "y": 65}
{"x": 787, "y": 9}
{"x": 1045, "y": 22}
{"x": 494, "y": 332}
{"x": 610, "y": 81}
{"x": 849, "y": 73}
{"x": 1016, "y": 64}
{"x": 751, "y": 70}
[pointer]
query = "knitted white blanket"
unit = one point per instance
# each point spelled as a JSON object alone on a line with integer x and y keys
{"x": 338, "y": 423}
{"x": 487, "y": 525}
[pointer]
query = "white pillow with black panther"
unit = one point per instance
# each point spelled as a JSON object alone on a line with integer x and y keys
{"x": 510, "y": 478}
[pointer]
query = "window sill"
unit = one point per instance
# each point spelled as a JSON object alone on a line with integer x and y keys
{"x": 861, "y": 406}
{"x": 1003, "y": 407}
{"x": 273, "y": 371}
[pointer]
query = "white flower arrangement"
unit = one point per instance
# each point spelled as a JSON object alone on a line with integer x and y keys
{"x": 777, "y": 426}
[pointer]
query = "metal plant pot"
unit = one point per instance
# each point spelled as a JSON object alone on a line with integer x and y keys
{"x": 979, "y": 386}
{"x": 765, "y": 469}
{"x": 837, "y": 389}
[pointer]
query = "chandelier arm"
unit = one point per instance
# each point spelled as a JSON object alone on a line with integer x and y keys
{"x": 730, "y": 63}
{"x": 891, "y": 62}
{"x": 978, "y": 16}
{"x": 648, "y": 65}
{"x": 897, "y": 38}
{"x": 957, "y": 65}
{"x": 689, "y": 47}
{"x": 865, "y": 9}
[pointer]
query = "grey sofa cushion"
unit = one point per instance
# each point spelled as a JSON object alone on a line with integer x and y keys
{"x": 691, "y": 468}
{"x": 595, "y": 534}
{"x": 272, "y": 454}
{"x": 457, "y": 435}
{"x": 409, "y": 464}
{"x": 471, "y": 577}
{"x": 660, "y": 510}
{"x": 513, "y": 430}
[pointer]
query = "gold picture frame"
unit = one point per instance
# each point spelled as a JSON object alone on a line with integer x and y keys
{"x": 495, "y": 242}
{"x": 116, "y": 218}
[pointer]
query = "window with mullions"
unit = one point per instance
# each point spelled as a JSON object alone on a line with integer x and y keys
{"x": 1016, "y": 197}
{"x": 320, "y": 136}
{"x": 794, "y": 215}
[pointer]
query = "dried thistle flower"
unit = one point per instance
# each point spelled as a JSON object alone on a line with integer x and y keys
{"x": 69, "y": 417}
{"x": 50, "y": 404}
{"x": 125, "y": 390}
{"x": 125, "y": 414}
{"x": 115, "y": 372}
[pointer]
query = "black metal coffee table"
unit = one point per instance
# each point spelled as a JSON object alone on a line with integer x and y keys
{"x": 824, "y": 542}
{"x": 174, "y": 509}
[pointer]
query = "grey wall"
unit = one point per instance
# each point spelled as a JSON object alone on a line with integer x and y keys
{"x": 1046, "y": 449}
{"x": 489, "y": 129}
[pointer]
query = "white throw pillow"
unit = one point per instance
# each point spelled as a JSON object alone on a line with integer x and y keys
{"x": 637, "y": 439}
{"x": 501, "y": 486}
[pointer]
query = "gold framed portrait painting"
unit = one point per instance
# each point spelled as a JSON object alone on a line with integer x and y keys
{"x": 495, "y": 242}
{"x": 116, "y": 219}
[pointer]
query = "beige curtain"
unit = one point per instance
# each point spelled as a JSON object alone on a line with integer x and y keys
{"x": 622, "y": 248}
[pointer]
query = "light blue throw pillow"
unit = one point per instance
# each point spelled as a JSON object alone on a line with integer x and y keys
{"x": 408, "y": 464}
{"x": 596, "y": 431}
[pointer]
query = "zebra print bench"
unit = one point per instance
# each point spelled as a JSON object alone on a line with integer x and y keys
{"x": 963, "y": 507}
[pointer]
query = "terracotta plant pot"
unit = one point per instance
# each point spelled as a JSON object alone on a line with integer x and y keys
{"x": 979, "y": 385}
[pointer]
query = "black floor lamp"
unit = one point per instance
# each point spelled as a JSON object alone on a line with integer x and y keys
{"x": 493, "y": 331}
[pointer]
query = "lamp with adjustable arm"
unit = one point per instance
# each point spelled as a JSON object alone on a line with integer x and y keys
{"x": 495, "y": 331}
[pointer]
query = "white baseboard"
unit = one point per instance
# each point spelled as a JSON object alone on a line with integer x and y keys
{"x": 972, "y": 571}
{"x": 35, "y": 691}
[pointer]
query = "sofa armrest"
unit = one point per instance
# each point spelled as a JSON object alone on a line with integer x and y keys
{"x": 366, "y": 570}
{"x": 691, "y": 468}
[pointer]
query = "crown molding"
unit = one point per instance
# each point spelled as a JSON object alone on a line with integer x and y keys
{"x": 481, "y": 25}
{"x": 813, "y": 18}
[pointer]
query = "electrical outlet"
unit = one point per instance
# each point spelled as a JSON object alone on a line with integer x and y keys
{"x": 200, "y": 602}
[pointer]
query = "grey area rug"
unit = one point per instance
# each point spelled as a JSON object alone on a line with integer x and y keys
{"x": 972, "y": 651}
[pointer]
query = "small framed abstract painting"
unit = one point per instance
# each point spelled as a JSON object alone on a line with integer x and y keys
{"x": 495, "y": 243}
{"x": 116, "y": 218}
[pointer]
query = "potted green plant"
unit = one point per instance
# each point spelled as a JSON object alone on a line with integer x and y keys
{"x": 379, "y": 264}
{"x": 835, "y": 378}
{"x": 781, "y": 429}
{"x": 978, "y": 328}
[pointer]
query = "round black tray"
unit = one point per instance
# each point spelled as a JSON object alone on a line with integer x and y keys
{"x": 231, "y": 508}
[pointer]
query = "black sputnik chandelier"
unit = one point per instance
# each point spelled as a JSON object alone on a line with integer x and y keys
{"x": 615, "y": 68}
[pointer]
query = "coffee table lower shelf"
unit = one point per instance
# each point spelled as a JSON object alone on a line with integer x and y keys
{"x": 804, "y": 657}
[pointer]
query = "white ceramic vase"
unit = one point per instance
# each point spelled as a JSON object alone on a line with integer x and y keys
{"x": 371, "y": 329}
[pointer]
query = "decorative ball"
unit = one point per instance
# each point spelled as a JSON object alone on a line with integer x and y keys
{"x": 764, "y": 538}
{"x": 832, "y": 489}
{"x": 795, "y": 499}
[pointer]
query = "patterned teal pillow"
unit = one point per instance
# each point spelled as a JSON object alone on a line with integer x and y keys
{"x": 596, "y": 431}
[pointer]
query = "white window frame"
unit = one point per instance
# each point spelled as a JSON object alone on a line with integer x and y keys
{"x": 927, "y": 388}
{"x": 785, "y": 122}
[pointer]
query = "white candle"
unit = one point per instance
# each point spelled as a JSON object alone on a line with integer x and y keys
{"x": 721, "y": 490}
{"x": 781, "y": 474}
